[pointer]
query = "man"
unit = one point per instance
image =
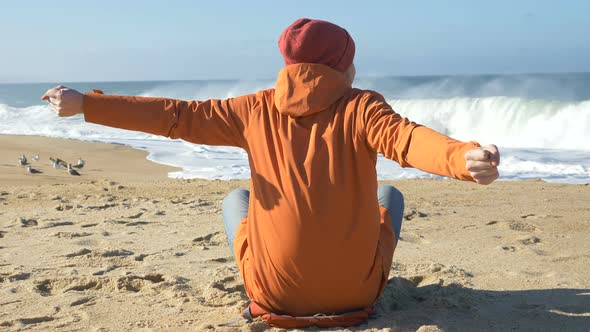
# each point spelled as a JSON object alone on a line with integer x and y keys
{"x": 315, "y": 234}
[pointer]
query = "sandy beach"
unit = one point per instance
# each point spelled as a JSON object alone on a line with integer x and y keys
{"x": 124, "y": 248}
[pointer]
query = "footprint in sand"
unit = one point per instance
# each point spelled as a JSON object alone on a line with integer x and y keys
{"x": 101, "y": 207}
{"x": 177, "y": 200}
{"x": 132, "y": 283}
{"x": 12, "y": 277}
{"x": 226, "y": 288}
{"x": 522, "y": 226}
{"x": 570, "y": 258}
{"x": 106, "y": 270}
{"x": 515, "y": 225}
{"x": 52, "y": 224}
{"x": 115, "y": 253}
{"x": 414, "y": 214}
{"x": 413, "y": 238}
{"x": 137, "y": 223}
{"x": 69, "y": 235}
{"x": 27, "y": 321}
{"x": 212, "y": 239}
{"x": 430, "y": 289}
{"x": 63, "y": 207}
{"x": 509, "y": 248}
{"x": 81, "y": 252}
{"x": 82, "y": 300}
{"x": 87, "y": 242}
{"x": 58, "y": 198}
{"x": 529, "y": 240}
{"x": 220, "y": 260}
{"x": 533, "y": 216}
{"x": 425, "y": 280}
{"x": 24, "y": 222}
{"x": 140, "y": 257}
{"x": 135, "y": 216}
{"x": 199, "y": 202}
{"x": 119, "y": 222}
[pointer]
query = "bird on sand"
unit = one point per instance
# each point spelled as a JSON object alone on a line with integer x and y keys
{"x": 57, "y": 163}
{"x": 22, "y": 160}
{"x": 61, "y": 162}
{"x": 31, "y": 170}
{"x": 72, "y": 171}
{"x": 80, "y": 163}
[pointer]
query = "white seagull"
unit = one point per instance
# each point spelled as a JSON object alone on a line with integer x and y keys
{"x": 80, "y": 163}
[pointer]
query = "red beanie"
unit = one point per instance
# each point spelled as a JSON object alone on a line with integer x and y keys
{"x": 315, "y": 41}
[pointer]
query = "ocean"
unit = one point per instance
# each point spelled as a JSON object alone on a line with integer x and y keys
{"x": 540, "y": 122}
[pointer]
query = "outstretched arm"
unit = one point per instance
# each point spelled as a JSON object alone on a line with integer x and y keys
{"x": 413, "y": 145}
{"x": 212, "y": 122}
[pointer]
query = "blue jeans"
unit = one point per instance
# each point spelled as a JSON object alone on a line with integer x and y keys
{"x": 235, "y": 208}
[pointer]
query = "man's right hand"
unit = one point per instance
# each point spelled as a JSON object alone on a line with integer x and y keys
{"x": 482, "y": 163}
{"x": 64, "y": 101}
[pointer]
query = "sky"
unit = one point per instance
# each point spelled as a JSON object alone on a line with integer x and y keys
{"x": 130, "y": 40}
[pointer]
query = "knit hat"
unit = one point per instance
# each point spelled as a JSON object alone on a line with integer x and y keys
{"x": 315, "y": 41}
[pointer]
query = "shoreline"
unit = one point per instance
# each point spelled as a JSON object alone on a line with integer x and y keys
{"x": 112, "y": 160}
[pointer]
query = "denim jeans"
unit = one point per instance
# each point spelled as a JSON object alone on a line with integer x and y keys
{"x": 235, "y": 208}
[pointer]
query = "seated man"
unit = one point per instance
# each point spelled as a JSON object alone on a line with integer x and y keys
{"x": 314, "y": 234}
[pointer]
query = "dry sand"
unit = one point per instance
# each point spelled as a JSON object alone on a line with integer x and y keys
{"x": 124, "y": 248}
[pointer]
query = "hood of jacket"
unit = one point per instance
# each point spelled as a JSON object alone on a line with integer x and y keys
{"x": 307, "y": 88}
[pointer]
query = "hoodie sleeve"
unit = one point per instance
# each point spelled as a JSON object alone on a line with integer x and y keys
{"x": 411, "y": 144}
{"x": 211, "y": 122}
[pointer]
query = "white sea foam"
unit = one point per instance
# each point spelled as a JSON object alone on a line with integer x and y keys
{"x": 538, "y": 139}
{"x": 509, "y": 122}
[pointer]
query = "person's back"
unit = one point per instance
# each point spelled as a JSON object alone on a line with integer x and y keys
{"x": 313, "y": 218}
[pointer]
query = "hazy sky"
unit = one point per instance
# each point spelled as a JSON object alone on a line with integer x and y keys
{"x": 62, "y": 41}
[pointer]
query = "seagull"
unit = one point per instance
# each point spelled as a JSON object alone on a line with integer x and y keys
{"x": 58, "y": 163}
{"x": 80, "y": 163}
{"x": 72, "y": 171}
{"x": 31, "y": 170}
{"x": 54, "y": 163}
{"x": 61, "y": 162}
{"x": 22, "y": 160}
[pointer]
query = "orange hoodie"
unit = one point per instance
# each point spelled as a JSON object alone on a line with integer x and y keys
{"x": 315, "y": 239}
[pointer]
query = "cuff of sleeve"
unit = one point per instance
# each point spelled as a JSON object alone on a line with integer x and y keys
{"x": 465, "y": 174}
{"x": 89, "y": 105}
